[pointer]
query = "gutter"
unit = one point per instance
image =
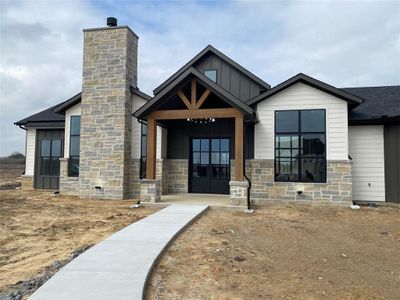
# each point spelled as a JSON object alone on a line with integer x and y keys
{"x": 249, "y": 209}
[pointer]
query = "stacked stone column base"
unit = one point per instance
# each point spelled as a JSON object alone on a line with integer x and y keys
{"x": 150, "y": 190}
{"x": 238, "y": 192}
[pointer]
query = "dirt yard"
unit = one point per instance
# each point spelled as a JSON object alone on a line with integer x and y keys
{"x": 284, "y": 251}
{"x": 38, "y": 231}
{"x": 10, "y": 173}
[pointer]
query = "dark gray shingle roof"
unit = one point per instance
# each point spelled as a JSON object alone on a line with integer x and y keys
{"x": 47, "y": 115}
{"x": 378, "y": 102}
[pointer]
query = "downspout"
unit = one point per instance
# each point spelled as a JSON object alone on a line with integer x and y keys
{"x": 249, "y": 209}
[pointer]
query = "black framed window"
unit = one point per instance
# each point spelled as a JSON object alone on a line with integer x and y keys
{"x": 211, "y": 74}
{"x": 220, "y": 158}
{"x": 74, "y": 146}
{"x": 201, "y": 157}
{"x": 300, "y": 146}
{"x": 143, "y": 150}
{"x": 50, "y": 153}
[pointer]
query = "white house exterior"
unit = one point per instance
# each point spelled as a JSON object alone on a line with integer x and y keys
{"x": 212, "y": 127}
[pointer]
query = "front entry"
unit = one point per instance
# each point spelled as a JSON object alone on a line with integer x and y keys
{"x": 209, "y": 165}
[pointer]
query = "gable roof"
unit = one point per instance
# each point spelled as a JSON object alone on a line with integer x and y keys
{"x": 380, "y": 103}
{"x": 50, "y": 116}
{"x": 215, "y": 88}
{"x": 350, "y": 98}
{"x": 45, "y": 116}
{"x": 202, "y": 53}
{"x": 61, "y": 108}
{"x": 78, "y": 97}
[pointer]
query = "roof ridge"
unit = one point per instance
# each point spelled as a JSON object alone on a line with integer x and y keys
{"x": 366, "y": 87}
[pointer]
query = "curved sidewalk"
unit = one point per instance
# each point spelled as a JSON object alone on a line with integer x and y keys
{"x": 119, "y": 266}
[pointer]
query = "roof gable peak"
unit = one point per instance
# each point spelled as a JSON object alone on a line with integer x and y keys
{"x": 211, "y": 49}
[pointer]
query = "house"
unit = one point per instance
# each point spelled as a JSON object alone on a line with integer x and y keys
{"x": 212, "y": 127}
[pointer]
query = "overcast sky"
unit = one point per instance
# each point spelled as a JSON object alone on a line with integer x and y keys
{"x": 341, "y": 43}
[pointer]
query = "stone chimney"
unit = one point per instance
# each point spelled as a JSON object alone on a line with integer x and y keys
{"x": 109, "y": 69}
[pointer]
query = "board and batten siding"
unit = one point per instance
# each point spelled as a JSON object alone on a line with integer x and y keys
{"x": 230, "y": 78}
{"x": 72, "y": 111}
{"x": 297, "y": 97}
{"x": 366, "y": 148}
{"x": 30, "y": 151}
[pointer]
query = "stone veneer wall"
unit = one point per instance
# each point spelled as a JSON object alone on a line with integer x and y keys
{"x": 68, "y": 185}
{"x": 109, "y": 69}
{"x": 337, "y": 188}
{"x": 175, "y": 176}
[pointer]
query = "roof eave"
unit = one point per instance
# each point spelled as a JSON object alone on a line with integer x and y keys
{"x": 350, "y": 98}
{"x": 219, "y": 54}
{"x": 143, "y": 111}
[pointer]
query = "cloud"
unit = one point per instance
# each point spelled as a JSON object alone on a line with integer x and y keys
{"x": 342, "y": 43}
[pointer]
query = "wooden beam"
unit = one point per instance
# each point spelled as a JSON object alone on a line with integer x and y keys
{"x": 239, "y": 148}
{"x": 184, "y": 99}
{"x": 195, "y": 114}
{"x": 202, "y": 98}
{"x": 151, "y": 148}
{"x": 194, "y": 93}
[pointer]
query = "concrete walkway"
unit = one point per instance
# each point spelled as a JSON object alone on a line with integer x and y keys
{"x": 118, "y": 267}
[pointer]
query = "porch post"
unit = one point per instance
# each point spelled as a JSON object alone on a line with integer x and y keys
{"x": 151, "y": 148}
{"x": 239, "y": 147}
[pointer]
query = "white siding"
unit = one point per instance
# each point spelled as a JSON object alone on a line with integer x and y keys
{"x": 366, "y": 148}
{"x": 72, "y": 111}
{"x": 30, "y": 151}
{"x": 302, "y": 96}
{"x": 137, "y": 102}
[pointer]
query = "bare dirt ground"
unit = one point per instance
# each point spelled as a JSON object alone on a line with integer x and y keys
{"x": 10, "y": 173}
{"x": 38, "y": 231}
{"x": 284, "y": 251}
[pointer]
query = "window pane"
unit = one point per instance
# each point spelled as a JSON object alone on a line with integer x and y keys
{"x": 74, "y": 166}
{"x": 55, "y": 166}
{"x": 225, "y": 145}
{"x": 313, "y": 144}
{"x": 144, "y": 129}
{"x": 196, "y": 157}
{"x": 204, "y": 158}
{"x": 199, "y": 171}
{"x": 215, "y": 158}
{"x": 75, "y": 125}
{"x": 211, "y": 74}
{"x": 56, "y": 148}
{"x": 283, "y": 152}
{"x": 312, "y": 120}
{"x": 215, "y": 145}
{"x": 313, "y": 169}
{"x": 74, "y": 147}
{"x": 45, "y": 151}
{"x": 143, "y": 148}
{"x": 284, "y": 142}
{"x": 224, "y": 158}
{"x": 286, "y": 169}
{"x": 205, "y": 145}
{"x": 45, "y": 166}
{"x": 220, "y": 172}
{"x": 196, "y": 145}
{"x": 286, "y": 121}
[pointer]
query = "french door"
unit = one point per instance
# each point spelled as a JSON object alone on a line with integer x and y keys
{"x": 209, "y": 165}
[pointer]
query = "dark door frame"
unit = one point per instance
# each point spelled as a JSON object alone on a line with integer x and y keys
{"x": 53, "y": 181}
{"x": 209, "y": 171}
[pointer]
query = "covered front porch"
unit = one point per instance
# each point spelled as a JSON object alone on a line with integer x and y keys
{"x": 205, "y": 148}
